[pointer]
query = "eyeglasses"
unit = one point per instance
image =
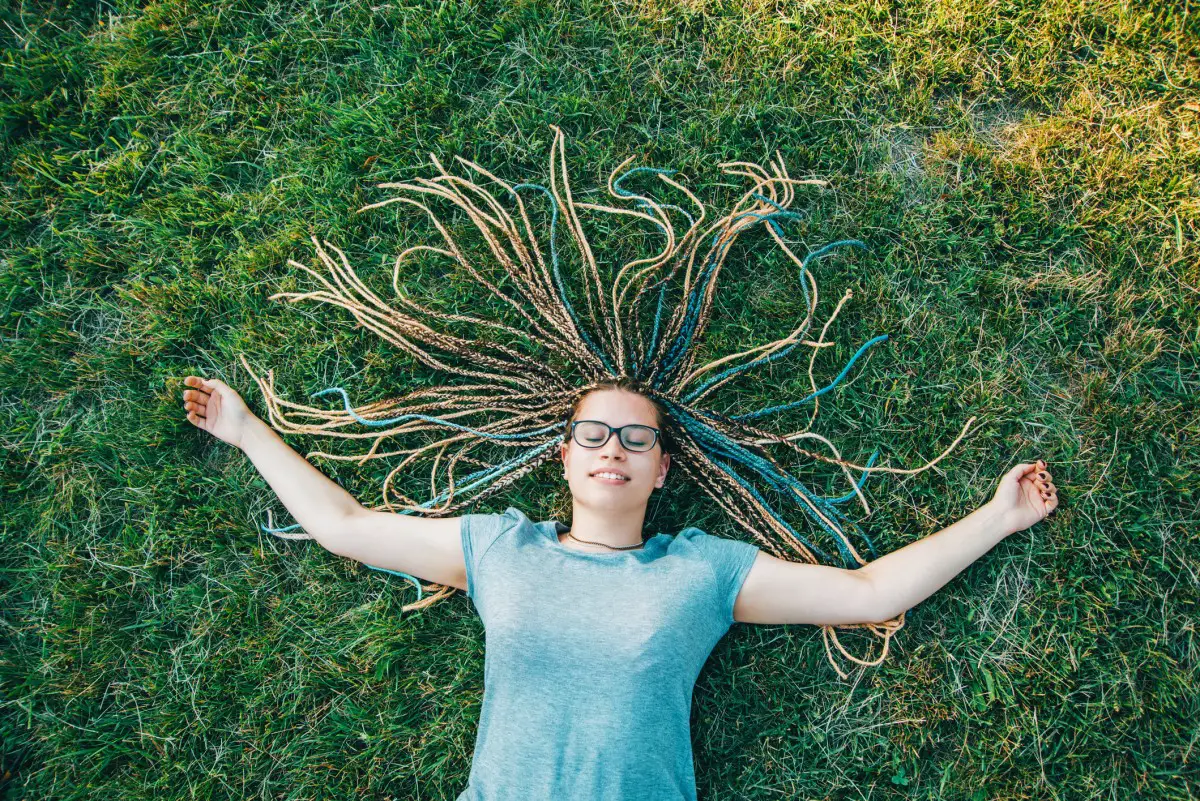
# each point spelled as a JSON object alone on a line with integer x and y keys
{"x": 593, "y": 434}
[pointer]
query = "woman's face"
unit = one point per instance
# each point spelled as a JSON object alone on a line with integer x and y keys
{"x": 644, "y": 471}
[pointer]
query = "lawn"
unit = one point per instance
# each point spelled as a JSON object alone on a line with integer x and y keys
{"x": 1026, "y": 175}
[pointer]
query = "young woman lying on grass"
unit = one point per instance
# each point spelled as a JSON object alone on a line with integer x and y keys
{"x": 595, "y": 636}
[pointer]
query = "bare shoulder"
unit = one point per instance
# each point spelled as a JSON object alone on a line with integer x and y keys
{"x": 778, "y": 591}
{"x": 429, "y": 548}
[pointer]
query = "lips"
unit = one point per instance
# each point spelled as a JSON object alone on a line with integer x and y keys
{"x": 607, "y": 476}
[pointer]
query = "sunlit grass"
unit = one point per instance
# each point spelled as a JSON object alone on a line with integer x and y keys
{"x": 1026, "y": 174}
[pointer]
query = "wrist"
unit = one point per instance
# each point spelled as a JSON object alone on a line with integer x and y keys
{"x": 999, "y": 519}
{"x": 254, "y": 433}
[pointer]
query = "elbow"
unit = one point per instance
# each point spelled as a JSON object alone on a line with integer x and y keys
{"x": 336, "y": 533}
{"x": 882, "y": 605}
{"x": 884, "y": 614}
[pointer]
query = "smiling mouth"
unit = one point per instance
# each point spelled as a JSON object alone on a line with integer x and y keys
{"x": 610, "y": 478}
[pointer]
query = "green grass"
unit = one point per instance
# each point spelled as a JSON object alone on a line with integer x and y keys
{"x": 1026, "y": 172}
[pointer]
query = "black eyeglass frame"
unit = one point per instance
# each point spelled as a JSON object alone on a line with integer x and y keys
{"x": 617, "y": 431}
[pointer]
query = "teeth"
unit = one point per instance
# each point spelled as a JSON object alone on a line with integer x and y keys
{"x": 610, "y": 475}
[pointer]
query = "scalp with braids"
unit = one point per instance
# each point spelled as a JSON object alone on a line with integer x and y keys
{"x": 639, "y": 324}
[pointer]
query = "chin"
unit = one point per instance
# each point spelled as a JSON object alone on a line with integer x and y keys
{"x": 608, "y": 501}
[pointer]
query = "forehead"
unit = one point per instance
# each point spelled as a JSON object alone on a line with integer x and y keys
{"x": 617, "y": 408}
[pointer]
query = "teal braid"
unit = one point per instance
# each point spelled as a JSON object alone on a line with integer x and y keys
{"x": 562, "y": 292}
{"x": 818, "y": 393}
{"x": 780, "y": 354}
{"x": 725, "y": 453}
{"x": 683, "y": 341}
{"x": 642, "y": 201}
{"x": 746, "y": 485}
{"x": 715, "y": 443}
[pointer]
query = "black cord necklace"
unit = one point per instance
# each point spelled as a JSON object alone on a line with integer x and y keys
{"x": 606, "y": 545}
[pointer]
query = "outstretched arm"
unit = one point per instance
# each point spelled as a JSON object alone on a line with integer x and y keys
{"x": 427, "y": 548}
{"x": 318, "y": 504}
{"x": 903, "y": 578}
{"x": 778, "y": 591}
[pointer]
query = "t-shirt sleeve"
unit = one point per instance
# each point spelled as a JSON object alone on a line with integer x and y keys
{"x": 730, "y": 561}
{"x": 478, "y": 533}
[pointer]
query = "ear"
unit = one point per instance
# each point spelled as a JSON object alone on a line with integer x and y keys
{"x": 662, "y": 469}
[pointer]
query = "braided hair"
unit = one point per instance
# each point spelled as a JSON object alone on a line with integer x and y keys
{"x": 503, "y": 413}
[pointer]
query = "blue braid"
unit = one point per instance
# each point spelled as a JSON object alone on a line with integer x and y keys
{"x": 728, "y": 470}
{"x": 728, "y": 447}
{"x": 662, "y": 296}
{"x": 778, "y": 354}
{"x": 849, "y": 495}
{"x": 822, "y": 391}
{"x": 721, "y": 444}
{"x": 683, "y": 340}
{"x": 642, "y": 201}
{"x": 562, "y": 292}
{"x": 663, "y": 291}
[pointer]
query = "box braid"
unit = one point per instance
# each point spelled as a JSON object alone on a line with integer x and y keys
{"x": 510, "y": 414}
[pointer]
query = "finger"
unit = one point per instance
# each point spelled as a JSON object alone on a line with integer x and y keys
{"x": 1020, "y": 471}
{"x": 196, "y": 409}
{"x": 195, "y": 420}
{"x": 196, "y": 383}
{"x": 195, "y": 395}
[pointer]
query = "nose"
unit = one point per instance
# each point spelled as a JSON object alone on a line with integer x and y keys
{"x": 613, "y": 448}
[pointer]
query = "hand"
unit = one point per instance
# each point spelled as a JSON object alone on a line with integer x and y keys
{"x": 1026, "y": 495}
{"x": 217, "y": 409}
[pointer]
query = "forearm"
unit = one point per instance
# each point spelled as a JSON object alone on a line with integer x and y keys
{"x": 314, "y": 500}
{"x": 904, "y": 578}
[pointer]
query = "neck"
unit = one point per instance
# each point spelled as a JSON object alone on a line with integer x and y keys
{"x": 616, "y": 528}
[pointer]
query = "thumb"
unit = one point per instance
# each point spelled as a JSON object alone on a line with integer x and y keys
{"x": 1020, "y": 471}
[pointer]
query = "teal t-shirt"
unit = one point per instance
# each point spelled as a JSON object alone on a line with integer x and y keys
{"x": 590, "y": 658}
